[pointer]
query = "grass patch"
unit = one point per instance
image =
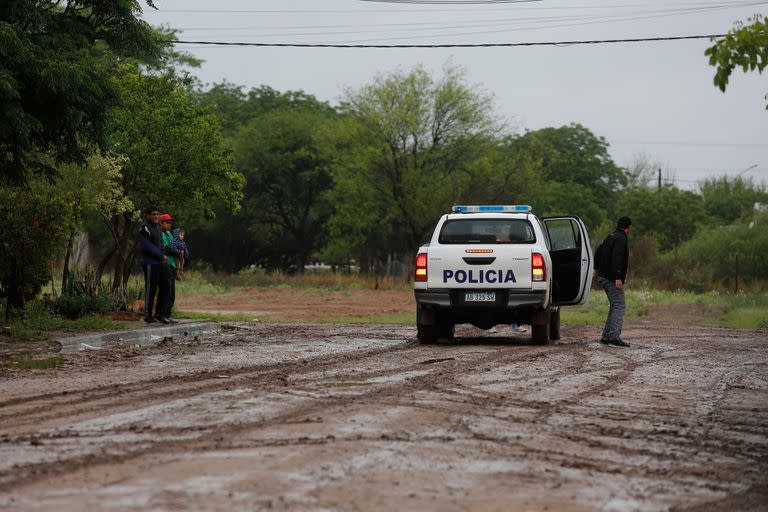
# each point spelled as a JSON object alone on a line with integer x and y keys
{"x": 215, "y": 317}
{"x": 195, "y": 284}
{"x": 36, "y": 322}
{"x": 744, "y": 318}
{"x": 744, "y": 311}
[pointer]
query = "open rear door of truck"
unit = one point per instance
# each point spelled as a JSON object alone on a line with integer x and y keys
{"x": 572, "y": 259}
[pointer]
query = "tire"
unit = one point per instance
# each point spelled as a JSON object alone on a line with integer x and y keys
{"x": 426, "y": 334}
{"x": 554, "y": 324}
{"x": 445, "y": 326}
{"x": 540, "y": 328}
{"x": 431, "y": 325}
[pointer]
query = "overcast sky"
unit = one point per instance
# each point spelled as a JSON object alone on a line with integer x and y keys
{"x": 653, "y": 98}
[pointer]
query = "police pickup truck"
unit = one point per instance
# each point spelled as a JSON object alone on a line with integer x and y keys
{"x": 490, "y": 265}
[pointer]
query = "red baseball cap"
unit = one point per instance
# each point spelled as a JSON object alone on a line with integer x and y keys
{"x": 165, "y": 217}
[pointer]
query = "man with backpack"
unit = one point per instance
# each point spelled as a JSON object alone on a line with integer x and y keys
{"x": 611, "y": 263}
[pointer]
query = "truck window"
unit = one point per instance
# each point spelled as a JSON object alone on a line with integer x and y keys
{"x": 487, "y": 231}
{"x": 563, "y": 235}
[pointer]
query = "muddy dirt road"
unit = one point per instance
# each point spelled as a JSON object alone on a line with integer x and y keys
{"x": 350, "y": 417}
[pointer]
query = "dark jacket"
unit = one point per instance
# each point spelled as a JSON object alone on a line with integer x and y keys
{"x": 612, "y": 257}
{"x": 150, "y": 238}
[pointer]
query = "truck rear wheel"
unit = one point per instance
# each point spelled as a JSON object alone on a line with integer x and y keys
{"x": 540, "y": 327}
{"x": 432, "y": 324}
{"x": 554, "y": 324}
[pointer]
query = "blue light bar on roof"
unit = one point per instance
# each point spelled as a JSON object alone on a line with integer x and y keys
{"x": 509, "y": 208}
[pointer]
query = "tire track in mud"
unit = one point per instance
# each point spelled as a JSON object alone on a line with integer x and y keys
{"x": 442, "y": 384}
{"x": 113, "y": 399}
{"x": 40, "y": 408}
{"x": 263, "y": 378}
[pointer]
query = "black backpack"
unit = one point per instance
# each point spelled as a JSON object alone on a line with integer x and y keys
{"x": 603, "y": 252}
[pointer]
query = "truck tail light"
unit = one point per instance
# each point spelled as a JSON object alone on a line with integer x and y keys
{"x": 538, "y": 269}
{"x": 421, "y": 267}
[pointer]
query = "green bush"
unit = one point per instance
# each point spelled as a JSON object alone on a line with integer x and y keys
{"x": 32, "y": 229}
{"x": 77, "y": 306}
{"x": 734, "y": 254}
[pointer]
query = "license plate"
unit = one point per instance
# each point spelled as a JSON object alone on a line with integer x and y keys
{"x": 480, "y": 297}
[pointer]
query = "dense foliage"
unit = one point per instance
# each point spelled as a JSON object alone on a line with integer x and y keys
{"x": 745, "y": 46}
{"x": 365, "y": 183}
{"x": 97, "y": 122}
{"x": 34, "y": 226}
{"x": 55, "y": 89}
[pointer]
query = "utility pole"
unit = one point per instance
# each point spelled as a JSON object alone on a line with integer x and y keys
{"x": 659, "y": 186}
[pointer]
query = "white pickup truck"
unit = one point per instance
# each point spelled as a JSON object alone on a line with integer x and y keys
{"x": 490, "y": 265}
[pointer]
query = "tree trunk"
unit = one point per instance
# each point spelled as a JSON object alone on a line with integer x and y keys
{"x": 7, "y": 311}
{"x": 65, "y": 272}
{"x": 122, "y": 253}
{"x": 15, "y": 293}
{"x": 103, "y": 264}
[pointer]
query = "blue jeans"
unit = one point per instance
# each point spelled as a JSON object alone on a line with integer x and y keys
{"x": 615, "y": 320}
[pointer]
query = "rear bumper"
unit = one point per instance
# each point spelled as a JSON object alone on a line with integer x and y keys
{"x": 451, "y": 299}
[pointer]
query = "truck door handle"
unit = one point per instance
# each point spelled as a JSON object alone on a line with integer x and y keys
{"x": 479, "y": 261}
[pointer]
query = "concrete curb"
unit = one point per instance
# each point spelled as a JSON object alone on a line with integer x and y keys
{"x": 144, "y": 336}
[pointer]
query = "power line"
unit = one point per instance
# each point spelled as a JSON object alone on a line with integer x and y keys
{"x": 544, "y": 26}
{"x": 387, "y": 11}
{"x": 473, "y": 23}
{"x": 691, "y": 143}
{"x": 372, "y": 42}
{"x": 451, "y": 2}
{"x": 460, "y": 45}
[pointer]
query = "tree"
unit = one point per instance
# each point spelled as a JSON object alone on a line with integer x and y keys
{"x": 233, "y": 241}
{"x": 727, "y": 199}
{"x": 55, "y": 89}
{"x": 573, "y": 154}
{"x": 33, "y": 228}
{"x": 174, "y": 157}
{"x": 287, "y": 175}
{"x": 642, "y": 171}
{"x": 236, "y": 108}
{"x": 731, "y": 254}
{"x": 418, "y": 140}
{"x": 558, "y": 198}
{"x": 745, "y": 46}
{"x": 92, "y": 188}
{"x": 671, "y": 215}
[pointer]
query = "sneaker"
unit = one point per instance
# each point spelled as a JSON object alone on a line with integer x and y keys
{"x": 517, "y": 328}
{"x": 618, "y": 342}
{"x": 605, "y": 341}
{"x": 172, "y": 320}
{"x": 162, "y": 319}
{"x": 149, "y": 319}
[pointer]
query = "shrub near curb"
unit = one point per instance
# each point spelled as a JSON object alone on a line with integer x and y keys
{"x": 77, "y": 306}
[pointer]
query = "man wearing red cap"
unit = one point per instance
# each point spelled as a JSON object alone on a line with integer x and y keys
{"x": 171, "y": 253}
